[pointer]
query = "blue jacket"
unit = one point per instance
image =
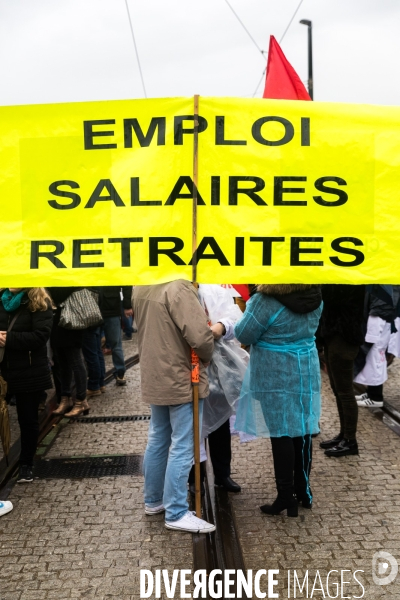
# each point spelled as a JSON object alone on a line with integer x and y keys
{"x": 281, "y": 390}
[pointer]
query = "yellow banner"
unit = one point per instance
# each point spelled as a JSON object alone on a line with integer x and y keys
{"x": 100, "y": 193}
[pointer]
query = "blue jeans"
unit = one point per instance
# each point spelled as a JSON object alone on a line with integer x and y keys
{"x": 112, "y": 330}
{"x": 168, "y": 458}
{"x": 91, "y": 348}
{"x": 126, "y": 323}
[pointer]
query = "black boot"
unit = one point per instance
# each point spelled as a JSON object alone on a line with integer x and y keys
{"x": 331, "y": 443}
{"x": 305, "y": 498}
{"x": 228, "y": 484}
{"x": 302, "y": 469}
{"x": 343, "y": 448}
{"x": 192, "y": 488}
{"x": 286, "y": 500}
{"x": 283, "y": 452}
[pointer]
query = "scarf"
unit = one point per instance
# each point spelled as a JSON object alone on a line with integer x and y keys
{"x": 11, "y": 301}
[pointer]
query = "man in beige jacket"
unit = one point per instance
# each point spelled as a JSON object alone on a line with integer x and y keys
{"x": 171, "y": 321}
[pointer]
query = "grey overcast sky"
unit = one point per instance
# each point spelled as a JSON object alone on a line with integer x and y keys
{"x": 78, "y": 50}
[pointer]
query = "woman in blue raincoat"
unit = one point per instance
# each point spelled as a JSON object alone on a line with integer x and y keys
{"x": 280, "y": 397}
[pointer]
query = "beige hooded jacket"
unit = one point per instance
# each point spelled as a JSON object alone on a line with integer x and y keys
{"x": 170, "y": 321}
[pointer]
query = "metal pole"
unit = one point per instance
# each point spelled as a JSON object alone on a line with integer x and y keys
{"x": 310, "y": 64}
{"x": 195, "y": 358}
{"x": 195, "y": 185}
{"x": 310, "y": 58}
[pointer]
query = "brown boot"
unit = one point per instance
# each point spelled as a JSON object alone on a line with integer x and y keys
{"x": 91, "y": 393}
{"x": 80, "y": 407}
{"x": 65, "y": 405}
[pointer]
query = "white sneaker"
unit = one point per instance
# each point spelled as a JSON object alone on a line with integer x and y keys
{"x": 365, "y": 400}
{"x": 154, "y": 510}
{"x": 5, "y": 507}
{"x": 190, "y": 523}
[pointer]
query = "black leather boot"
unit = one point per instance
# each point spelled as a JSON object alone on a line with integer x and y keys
{"x": 302, "y": 468}
{"x": 331, "y": 443}
{"x": 283, "y": 453}
{"x": 304, "y": 497}
{"x": 192, "y": 489}
{"x": 286, "y": 500}
{"x": 343, "y": 448}
{"x": 228, "y": 484}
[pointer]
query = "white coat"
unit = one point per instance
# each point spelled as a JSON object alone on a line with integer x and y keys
{"x": 375, "y": 369}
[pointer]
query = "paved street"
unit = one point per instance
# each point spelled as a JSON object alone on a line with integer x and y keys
{"x": 88, "y": 538}
{"x": 356, "y": 509}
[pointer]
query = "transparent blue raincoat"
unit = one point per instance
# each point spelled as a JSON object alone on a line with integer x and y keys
{"x": 280, "y": 395}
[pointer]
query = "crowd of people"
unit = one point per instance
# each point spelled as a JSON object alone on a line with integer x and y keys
{"x": 260, "y": 357}
{"x": 289, "y": 331}
{"x": 39, "y": 352}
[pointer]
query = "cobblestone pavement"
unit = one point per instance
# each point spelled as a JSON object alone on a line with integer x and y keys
{"x": 391, "y": 389}
{"x": 356, "y": 509}
{"x": 88, "y": 538}
{"x": 130, "y": 348}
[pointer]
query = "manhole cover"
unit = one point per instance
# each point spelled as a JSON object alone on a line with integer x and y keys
{"x": 113, "y": 419}
{"x": 90, "y": 466}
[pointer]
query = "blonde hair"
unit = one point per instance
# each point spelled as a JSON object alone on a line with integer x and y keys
{"x": 38, "y": 298}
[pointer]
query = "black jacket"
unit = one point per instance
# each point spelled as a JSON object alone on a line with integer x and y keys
{"x": 25, "y": 365}
{"x": 376, "y": 307}
{"x": 110, "y": 299}
{"x": 343, "y": 312}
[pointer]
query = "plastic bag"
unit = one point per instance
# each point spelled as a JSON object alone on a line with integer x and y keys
{"x": 216, "y": 409}
{"x": 225, "y": 375}
{"x": 228, "y": 363}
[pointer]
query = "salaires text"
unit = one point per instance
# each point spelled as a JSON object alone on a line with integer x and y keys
{"x": 283, "y": 189}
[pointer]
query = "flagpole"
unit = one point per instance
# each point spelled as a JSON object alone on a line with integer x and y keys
{"x": 195, "y": 185}
{"x": 195, "y": 358}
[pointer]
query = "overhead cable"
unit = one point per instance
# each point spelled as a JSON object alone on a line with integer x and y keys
{"x": 280, "y": 41}
{"x": 291, "y": 20}
{"x": 136, "y": 50}
{"x": 245, "y": 28}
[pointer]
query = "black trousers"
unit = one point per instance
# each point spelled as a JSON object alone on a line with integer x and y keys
{"x": 71, "y": 362}
{"x": 219, "y": 442}
{"x": 375, "y": 392}
{"x": 28, "y": 419}
{"x": 340, "y": 356}
{"x": 292, "y": 463}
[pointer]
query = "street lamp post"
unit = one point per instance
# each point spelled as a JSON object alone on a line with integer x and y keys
{"x": 310, "y": 58}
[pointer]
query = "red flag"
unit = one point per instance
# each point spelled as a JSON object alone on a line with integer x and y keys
{"x": 243, "y": 290}
{"x": 282, "y": 81}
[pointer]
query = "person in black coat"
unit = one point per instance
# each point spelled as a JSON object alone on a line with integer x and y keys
{"x": 342, "y": 334}
{"x": 379, "y": 316}
{"x": 66, "y": 345}
{"x": 25, "y": 365}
